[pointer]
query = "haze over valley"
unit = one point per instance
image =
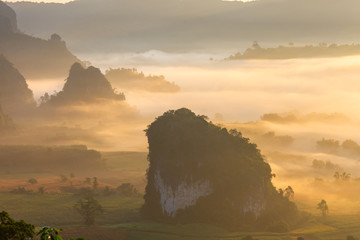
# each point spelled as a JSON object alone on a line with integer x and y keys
{"x": 181, "y": 119}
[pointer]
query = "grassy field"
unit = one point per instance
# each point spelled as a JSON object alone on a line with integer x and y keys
{"x": 55, "y": 208}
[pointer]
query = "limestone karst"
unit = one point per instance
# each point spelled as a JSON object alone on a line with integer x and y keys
{"x": 15, "y": 95}
{"x": 34, "y": 57}
{"x": 200, "y": 172}
{"x": 83, "y": 85}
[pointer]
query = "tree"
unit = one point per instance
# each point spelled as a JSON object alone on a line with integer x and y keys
{"x": 50, "y": 233}
{"x": 88, "y": 208}
{"x": 63, "y": 178}
{"x": 289, "y": 193}
{"x": 323, "y": 207}
{"x": 47, "y": 233}
{"x": 32, "y": 181}
{"x": 13, "y": 230}
{"x": 344, "y": 176}
{"x": 41, "y": 190}
{"x": 95, "y": 183}
{"x": 88, "y": 180}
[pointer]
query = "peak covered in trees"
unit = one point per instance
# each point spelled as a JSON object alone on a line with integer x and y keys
{"x": 34, "y": 57}
{"x": 15, "y": 95}
{"x": 288, "y": 52}
{"x": 83, "y": 85}
{"x": 200, "y": 172}
{"x": 131, "y": 79}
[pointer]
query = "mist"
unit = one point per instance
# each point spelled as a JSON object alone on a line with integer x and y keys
{"x": 131, "y": 102}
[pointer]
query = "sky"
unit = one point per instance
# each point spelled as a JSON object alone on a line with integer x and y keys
{"x": 57, "y": 1}
{"x": 65, "y": 1}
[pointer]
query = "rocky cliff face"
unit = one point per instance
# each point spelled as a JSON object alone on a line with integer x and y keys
{"x": 15, "y": 95}
{"x": 8, "y": 22}
{"x": 201, "y": 172}
{"x": 184, "y": 195}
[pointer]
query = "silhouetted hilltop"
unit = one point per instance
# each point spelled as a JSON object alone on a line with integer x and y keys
{"x": 8, "y": 21}
{"x": 34, "y": 57}
{"x": 288, "y": 52}
{"x": 15, "y": 95}
{"x": 126, "y": 78}
{"x": 187, "y": 25}
{"x": 200, "y": 172}
{"x": 83, "y": 85}
{"x": 6, "y": 122}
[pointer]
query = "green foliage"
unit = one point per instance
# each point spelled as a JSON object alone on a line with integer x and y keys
{"x": 185, "y": 147}
{"x": 88, "y": 208}
{"x": 14, "y": 230}
{"x": 49, "y": 233}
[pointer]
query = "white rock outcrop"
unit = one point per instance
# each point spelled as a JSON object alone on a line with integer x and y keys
{"x": 185, "y": 194}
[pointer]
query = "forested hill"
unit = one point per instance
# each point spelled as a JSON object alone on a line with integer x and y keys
{"x": 288, "y": 52}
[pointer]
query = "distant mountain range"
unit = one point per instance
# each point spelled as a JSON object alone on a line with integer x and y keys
{"x": 290, "y": 52}
{"x": 34, "y": 57}
{"x": 189, "y": 25}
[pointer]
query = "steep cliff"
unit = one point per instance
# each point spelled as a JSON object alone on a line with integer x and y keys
{"x": 15, "y": 95}
{"x": 202, "y": 172}
{"x": 34, "y": 57}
